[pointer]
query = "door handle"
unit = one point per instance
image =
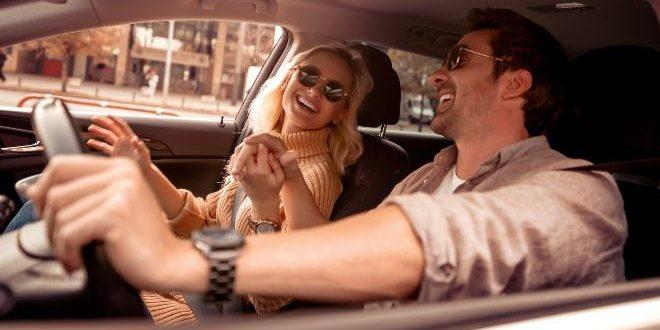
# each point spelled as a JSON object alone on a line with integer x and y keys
{"x": 25, "y": 149}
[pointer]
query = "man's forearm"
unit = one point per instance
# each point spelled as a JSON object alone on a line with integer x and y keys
{"x": 301, "y": 209}
{"x": 370, "y": 256}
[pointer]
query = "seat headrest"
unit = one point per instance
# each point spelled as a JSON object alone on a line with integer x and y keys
{"x": 613, "y": 106}
{"x": 382, "y": 104}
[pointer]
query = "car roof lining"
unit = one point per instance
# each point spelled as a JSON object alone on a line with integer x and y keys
{"x": 383, "y": 22}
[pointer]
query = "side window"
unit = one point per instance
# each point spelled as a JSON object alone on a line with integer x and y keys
{"x": 182, "y": 68}
{"x": 418, "y": 98}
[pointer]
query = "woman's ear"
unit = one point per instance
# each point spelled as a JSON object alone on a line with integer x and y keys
{"x": 516, "y": 83}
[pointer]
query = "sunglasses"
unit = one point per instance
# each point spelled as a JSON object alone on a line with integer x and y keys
{"x": 309, "y": 76}
{"x": 457, "y": 52}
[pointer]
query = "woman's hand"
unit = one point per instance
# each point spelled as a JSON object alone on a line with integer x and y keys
{"x": 114, "y": 137}
{"x": 261, "y": 178}
{"x": 288, "y": 159}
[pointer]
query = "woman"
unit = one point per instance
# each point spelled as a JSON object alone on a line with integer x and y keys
{"x": 311, "y": 106}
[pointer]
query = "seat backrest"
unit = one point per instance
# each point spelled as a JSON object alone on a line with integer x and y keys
{"x": 613, "y": 116}
{"x": 383, "y": 163}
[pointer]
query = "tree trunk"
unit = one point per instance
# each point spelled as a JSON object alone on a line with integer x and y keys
{"x": 65, "y": 73}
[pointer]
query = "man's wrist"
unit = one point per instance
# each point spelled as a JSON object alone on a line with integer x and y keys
{"x": 190, "y": 270}
{"x": 266, "y": 210}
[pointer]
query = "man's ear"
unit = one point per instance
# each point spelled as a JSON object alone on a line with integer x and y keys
{"x": 516, "y": 83}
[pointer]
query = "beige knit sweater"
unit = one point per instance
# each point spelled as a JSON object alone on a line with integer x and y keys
{"x": 323, "y": 181}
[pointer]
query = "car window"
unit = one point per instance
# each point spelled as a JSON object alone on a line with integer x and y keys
{"x": 182, "y": 68}
{"x": 418, "y": 99}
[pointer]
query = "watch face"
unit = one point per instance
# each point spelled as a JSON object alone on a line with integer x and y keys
{"x": 217, "y": 238}
{"x": 265, "y": 228}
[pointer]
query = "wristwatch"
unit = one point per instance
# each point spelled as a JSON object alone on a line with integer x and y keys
{"x": 264, "y": 226}
{"x": 220, "y": 247}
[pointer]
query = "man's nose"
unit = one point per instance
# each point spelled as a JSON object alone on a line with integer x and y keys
{"x": 438, "y": 77}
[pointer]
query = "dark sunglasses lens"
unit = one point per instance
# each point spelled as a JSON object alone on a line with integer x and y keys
{"x": 453, "y": 57}
{"x": 333, "y": 91}
{"x": 308, "y": 76}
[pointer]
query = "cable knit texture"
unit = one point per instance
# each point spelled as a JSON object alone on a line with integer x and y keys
{"x": 323, "y": 181}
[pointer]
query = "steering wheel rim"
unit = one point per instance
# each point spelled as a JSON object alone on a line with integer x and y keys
{"x": 111, "y": 294}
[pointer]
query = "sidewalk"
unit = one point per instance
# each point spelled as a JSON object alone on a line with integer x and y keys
{"x": 29, "y": 83}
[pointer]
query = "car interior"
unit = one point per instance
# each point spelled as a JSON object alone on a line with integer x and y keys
{"x": 611, "y": 119}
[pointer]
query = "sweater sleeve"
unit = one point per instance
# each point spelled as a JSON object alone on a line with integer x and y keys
{"x": 325, "y": 186}
{"x": 168, "y": 309}
{"x": 197, "y": 212}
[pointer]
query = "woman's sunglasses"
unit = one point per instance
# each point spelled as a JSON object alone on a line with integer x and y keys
{"x": 309, "y": 76}
{"x": 456, "y": 54}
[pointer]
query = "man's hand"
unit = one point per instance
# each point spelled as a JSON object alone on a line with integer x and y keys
{"x": 88, "y": 198}
{"x": 114, "y": 137}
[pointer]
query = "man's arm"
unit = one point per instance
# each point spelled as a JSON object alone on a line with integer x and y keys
{"x": 369, "y": 256}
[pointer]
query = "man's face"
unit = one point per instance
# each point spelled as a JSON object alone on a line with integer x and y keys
{"x": 467, "y": 93}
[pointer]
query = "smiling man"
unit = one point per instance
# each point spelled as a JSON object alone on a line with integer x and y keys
{"x": 498, "y": 212}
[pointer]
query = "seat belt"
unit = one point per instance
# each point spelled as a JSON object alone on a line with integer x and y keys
{"x": 628, "y": 171}
{"x": 235, "y": 305}
{"x": 211, "y": 312}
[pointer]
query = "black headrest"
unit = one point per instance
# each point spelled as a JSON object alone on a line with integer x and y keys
{"x": 613, "y": 97}
{"x": 382, "y": 105}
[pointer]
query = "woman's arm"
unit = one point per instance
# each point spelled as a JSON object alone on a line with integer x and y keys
{"x": 114, "y": 137}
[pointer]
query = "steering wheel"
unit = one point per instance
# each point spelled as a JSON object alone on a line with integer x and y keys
{"x": 105, "y": 293}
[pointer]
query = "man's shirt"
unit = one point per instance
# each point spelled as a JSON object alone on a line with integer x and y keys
{"x": 524, "y": 221}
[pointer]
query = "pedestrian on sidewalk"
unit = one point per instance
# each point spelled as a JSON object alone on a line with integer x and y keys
{"x": 152, "y": 81}
{"x": 3, "y": 59}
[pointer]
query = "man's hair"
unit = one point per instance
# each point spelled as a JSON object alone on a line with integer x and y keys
{"x": 526, "y": 45}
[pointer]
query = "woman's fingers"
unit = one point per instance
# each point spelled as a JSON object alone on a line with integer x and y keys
{"x": 105, "y": 134}
{"x": 262, "y": 158}
{"x": 272, "y": 143}
{"x": 246, "y": 153}
{"x": 122, "y": 125}
{"x": 276, "y": 168}
{"x": 100, "y": 146}
{"x": 108, "y": 124}
{"x": 289, "y": 162}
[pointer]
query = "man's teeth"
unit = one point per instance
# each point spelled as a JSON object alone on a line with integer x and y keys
{"x": 446, "y": 97}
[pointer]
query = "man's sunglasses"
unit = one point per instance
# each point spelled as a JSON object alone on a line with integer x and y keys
{"x": 309, "y": 76}
{"x": 457, "y": 52}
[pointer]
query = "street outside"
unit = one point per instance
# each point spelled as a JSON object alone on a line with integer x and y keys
{"x": 17, "y": 86}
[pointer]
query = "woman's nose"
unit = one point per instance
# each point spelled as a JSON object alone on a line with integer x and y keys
{"x": 314, "y": 91}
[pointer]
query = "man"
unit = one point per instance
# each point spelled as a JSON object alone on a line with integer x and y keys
{"x": 499, "y": 212}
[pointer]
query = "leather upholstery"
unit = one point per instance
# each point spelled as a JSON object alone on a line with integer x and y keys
{"x": 383, "y": 163}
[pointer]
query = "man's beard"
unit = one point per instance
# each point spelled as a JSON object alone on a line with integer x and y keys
{"x": 463, "y": 120}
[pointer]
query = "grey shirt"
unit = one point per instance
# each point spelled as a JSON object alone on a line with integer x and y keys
{"x": 521, "y": 223}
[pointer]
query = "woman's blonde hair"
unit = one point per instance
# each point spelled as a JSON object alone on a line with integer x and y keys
{"x": 267, "y": 113}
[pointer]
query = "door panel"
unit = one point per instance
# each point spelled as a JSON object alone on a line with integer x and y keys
{"x": 189, "y": 151}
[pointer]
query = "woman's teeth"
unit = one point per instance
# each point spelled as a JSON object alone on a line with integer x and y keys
{"x": 306, "y": 104}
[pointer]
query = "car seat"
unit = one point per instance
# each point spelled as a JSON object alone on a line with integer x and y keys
{"x": 612, "y": 95}
{"x": 383, "y": 163}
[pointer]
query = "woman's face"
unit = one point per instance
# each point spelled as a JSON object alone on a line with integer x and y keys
{"x": 307, "y": 108}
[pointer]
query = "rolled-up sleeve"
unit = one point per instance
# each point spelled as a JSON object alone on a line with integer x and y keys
{"x": 556, "y": 228}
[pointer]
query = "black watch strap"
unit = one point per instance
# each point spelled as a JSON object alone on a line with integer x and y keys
{"x": 221, "y": 280}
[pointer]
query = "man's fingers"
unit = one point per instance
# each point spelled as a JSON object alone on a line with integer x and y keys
{"x": 62, "y": 169}
{"x": 273, "y": 144}
{"x": 69, "y": 238}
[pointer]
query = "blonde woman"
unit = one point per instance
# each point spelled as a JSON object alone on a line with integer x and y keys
{"x": 310, "y": 106}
